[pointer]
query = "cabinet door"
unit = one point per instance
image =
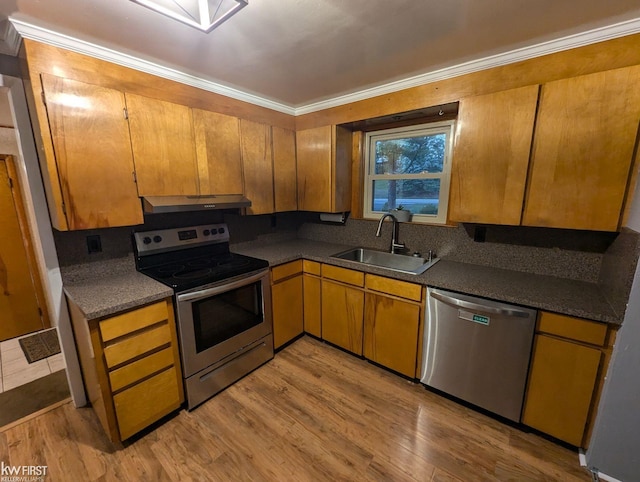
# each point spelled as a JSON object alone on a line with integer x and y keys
{"x": 391, "y": 333}
{"x": 287, "y": 299}
{"x": 284, "y": 169}
{"x": 93, "y": 154}
{"x": 561, "y": 383}
{"x": 582, "y": 151}
{"x": 218, "y": 152}
{"x": 255, "y": 140}
{"x": 324, "y": 169}
{"x": 489, "y": 170}
{"x": 342, "y": 316}
{"x": 312, "y": 306}
{"x": 163, "y": 147}
{"x": 313, "y": 147}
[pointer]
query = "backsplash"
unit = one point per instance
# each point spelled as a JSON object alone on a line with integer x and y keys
{"x": 455, "y": 244}
{"x": 603, "y": 258}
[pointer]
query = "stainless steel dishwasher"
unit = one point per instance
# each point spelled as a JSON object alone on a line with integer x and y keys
{"x": 478, "y": 350}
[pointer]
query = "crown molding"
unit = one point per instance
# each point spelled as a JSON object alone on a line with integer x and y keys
{"x": 570, "y": 42}
{"x": 9, "y": 39}
{"x": 41, "y": 34}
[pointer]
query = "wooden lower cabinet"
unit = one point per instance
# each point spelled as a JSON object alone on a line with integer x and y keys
{"x": 391, "y": 330}
{"x": 287, "y": 302}
{"x": 342, "y": 315}
{"x": 567, "y": 367}
{"x": 312, "y": 295}
{"x": 131, "y": 366}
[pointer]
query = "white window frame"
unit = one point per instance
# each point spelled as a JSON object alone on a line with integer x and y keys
{"x": 444, "y": 127}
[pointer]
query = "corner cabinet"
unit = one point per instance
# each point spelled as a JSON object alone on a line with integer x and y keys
{"x": 287, "y": 302}
{"x": 89, "y": 172}
{"x": 572, "y": 170}
{"x": 130, "y": 366}
{"x": 324, "y": 169}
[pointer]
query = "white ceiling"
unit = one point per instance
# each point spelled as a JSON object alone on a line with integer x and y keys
{"x": 300, "y": 52}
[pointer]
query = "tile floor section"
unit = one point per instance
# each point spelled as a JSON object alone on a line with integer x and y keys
{"x": 16, "y": 371}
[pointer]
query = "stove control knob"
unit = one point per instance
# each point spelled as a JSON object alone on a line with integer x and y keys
{"x": 146, "y": 240}
{"x": 221, "y": 230}
{"x": 157, "y": 239}
{"x": 214, "y": 231}
{"x": 206, "y": 232}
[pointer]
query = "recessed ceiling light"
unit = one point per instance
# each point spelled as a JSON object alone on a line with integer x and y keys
{"x": 204, "y": 15}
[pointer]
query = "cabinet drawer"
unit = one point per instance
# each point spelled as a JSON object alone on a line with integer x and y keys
{"x": 311, "y": 267}
{"x": 136, "y": 345}
{"x": 285, "y": 270}
{"x": 344, "y": 275}
{"x": 131, "y": 321}
{"x": 394, "y": 287}
{"x": 133, "y": 372}
{"x": 573, "y": 328}
{"x": 147, "y": 402}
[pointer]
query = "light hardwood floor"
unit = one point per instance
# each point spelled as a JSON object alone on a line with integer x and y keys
{"x": 313, "y": 413}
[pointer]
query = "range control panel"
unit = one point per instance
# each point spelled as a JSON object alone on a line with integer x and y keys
{"x": 148, "y": 242}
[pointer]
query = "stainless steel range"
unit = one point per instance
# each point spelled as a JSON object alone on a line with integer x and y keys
{"x": 222, "y": 300}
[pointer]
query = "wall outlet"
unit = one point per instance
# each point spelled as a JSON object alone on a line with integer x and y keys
{"x": 94, "y": 244}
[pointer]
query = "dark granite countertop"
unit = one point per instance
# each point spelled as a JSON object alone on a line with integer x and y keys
{"x": 565, "y": 296}
{"x": 104, "y": 288}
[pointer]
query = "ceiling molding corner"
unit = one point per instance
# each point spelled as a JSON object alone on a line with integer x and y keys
{"x": 9, "y": 39}
{"x": 565, "y": 43}
{"x": 56, "y": 39}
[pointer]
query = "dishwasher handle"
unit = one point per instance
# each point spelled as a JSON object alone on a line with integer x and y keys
{"x": 510, "y": 311}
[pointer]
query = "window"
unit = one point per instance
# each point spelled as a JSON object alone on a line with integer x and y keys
{"x": 409, "y": 167}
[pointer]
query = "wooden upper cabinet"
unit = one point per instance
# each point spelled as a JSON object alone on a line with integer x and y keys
{"x": 218, "y": 152}
{"x": 163, "y": 147}
{"x": 92, "y": 149}
{"x": 255, "y": 141}
{"x": 284, "y": 169}
{"x": 324, "y": 169}
{"x": 582, "y": 151}
{"x": 491, "y": 156}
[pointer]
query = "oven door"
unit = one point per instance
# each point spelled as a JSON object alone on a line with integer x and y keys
{"x": 219, "y": 320}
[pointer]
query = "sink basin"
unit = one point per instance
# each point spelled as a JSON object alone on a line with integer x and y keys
{"x": 382, "y": 259}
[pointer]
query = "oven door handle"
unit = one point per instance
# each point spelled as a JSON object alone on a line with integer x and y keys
{"x": 195, "y": 295}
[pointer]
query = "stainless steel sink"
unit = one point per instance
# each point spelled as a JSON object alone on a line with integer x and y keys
{"x": 382, "y": 259}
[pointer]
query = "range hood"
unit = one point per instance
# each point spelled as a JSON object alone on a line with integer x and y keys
{"x": 176, "y": 204}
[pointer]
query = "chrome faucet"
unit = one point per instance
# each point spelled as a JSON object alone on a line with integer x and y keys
{"x": 395, "y": 245}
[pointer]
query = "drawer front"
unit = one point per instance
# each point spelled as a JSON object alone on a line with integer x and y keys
{"x": 120, "y": 325}
{"x": 394, "y": 287}
{"x": 344, "y": 275}
{"x": 573, "y": 328}
{"x": 311, "y": 267}
{"x": 144, "y": 403}
{"x": 136, "y": 345}
{"x": 140, "y": 369}
{"x": 286, "y": 270}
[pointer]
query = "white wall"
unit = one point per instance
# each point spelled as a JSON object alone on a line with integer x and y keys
{"x": 40, "y": 226}
{"x": 613, "y": 449}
